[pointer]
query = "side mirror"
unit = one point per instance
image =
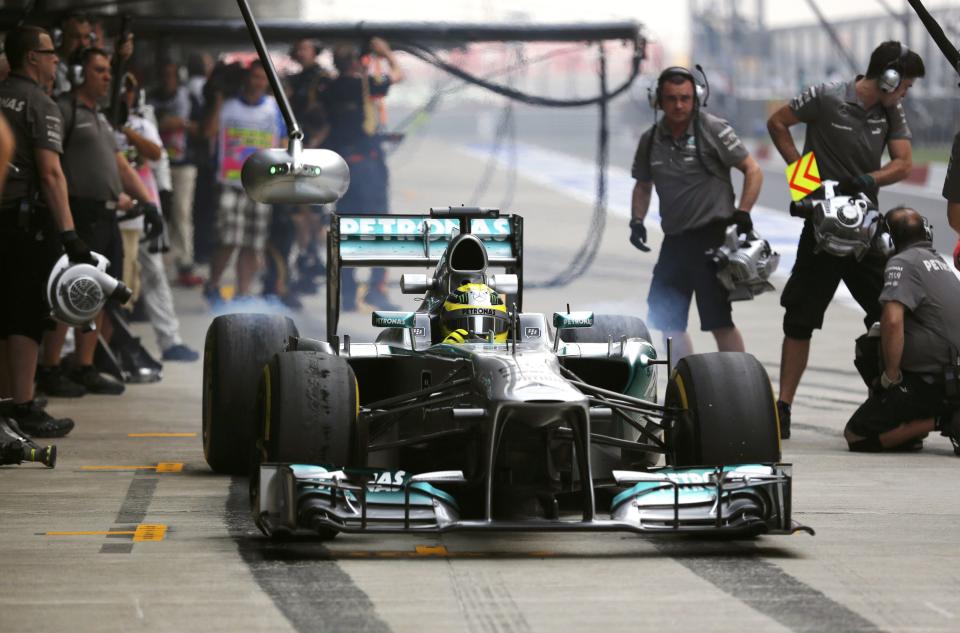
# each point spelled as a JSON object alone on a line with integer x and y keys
{"x": 314, "y": 176}
{"x": 382, "y": 318}
{"x": 570, "y": 320}
{"x": 505, "y": 283}
{"x": 415, "y": 284}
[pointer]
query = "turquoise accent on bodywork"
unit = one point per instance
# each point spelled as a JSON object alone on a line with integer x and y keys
{"x": 421, "y": 492}
{"x": 642, "y": 382}
{"x": 692, "y": 495}
{"x": 386, "y": 318}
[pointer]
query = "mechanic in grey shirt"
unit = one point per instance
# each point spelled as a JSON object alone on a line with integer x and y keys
{"x": 849, "y": 124}
{"x": 97, "y": 173}
{"x": 951, "y": 191}
{"x": 919, "y": 339}
{"x": 688, "y": 156}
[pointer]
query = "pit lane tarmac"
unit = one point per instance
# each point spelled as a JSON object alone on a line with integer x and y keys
{"x": 119, "y": 539}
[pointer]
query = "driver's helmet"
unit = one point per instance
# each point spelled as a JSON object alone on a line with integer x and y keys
{"x": 471, "y": 313}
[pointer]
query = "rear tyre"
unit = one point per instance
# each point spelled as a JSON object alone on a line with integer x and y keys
{"x": 728, "y": 412}
{"x": 234, "y": 353}
{"x": 607, "y": 326}
{"x": 309, "y": 410}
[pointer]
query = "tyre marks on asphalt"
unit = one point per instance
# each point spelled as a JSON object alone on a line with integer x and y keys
{"x": 485, "y": 602}
{"x": 741, "y": 571}
{"x": 311, "y": 591}
{"x": 133, "y": 511}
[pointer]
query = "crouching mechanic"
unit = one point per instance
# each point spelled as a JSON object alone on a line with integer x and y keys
{"x": 688, "y": 156}
{"x": 919, "y": 342}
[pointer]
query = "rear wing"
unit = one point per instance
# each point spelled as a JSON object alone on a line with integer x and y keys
{"x": 416, "y": 241}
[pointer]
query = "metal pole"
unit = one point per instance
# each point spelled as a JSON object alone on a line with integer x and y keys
{"x": 293, "y": 128}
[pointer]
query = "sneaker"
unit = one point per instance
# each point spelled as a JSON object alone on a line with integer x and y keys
{"x": 95, "y": 382}
{"x": 212, "y": 295}
{"x": 949, "y": 427}
{"x": 783, "y": 409}
{"x": 180, "y": 352}
{"x": 189, "y": 279}
{"x": 54, "y": 382}
{"x": 35, "y": 422}
{"x": 378, "y": 300}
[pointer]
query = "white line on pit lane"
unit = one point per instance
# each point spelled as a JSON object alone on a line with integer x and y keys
{"x": 939, "y": 610}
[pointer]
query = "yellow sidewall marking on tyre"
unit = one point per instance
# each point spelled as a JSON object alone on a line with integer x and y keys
{"x": 682, "y": 389}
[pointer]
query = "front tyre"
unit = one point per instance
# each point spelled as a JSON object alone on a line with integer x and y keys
{"x": 728, "y": 414}
{"x": 234, "y": 353}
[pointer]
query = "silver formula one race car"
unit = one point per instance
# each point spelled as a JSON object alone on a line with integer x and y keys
{"x": 471, "y": 414}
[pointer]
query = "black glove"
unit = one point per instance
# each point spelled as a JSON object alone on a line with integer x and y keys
{"x": 152, "y": 221}
{"x": 638, "y": 235}
{"x": 743, "y": 221}
{"x": 77, "y": 250}
{"x": 853, "y": 185}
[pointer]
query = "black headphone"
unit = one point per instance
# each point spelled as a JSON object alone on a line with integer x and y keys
{"x": 75, "y": 73}
{"x": 892, "y": 75}
{"x": 885, "y": 228}
{"x": 701, "y": 94}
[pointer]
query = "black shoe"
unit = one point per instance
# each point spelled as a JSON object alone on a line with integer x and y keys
{"x": 949, "y": 427}
{"x": 36, "y": 422}
{"x": 95, "y": 382}
{"x": 783, "y": 409}
{"x": 54, "y": 382}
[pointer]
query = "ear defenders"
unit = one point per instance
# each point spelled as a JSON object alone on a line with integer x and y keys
{"x": 892, "y": 75}
{"x": 884, "y": 229}
{"x": 75, "y": 73}
{"x": 653, "y": 94}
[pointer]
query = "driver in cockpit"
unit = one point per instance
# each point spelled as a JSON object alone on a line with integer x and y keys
{"x": 471, "y": 313}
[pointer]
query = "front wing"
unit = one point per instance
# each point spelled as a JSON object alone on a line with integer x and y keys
{"x": 737, "y": 500}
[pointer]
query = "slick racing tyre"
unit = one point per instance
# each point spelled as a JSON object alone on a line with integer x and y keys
{"x": 234, "y": 353}
{"x": 309, "y": 408}
{"x": 727, "y": 411}
{"x": 607, "y": 326}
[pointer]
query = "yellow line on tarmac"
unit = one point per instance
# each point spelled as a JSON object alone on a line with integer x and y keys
{"x": 162, "y": 467}
{"x": 89, "y": 533}
{"x": 144, "y": 532}
{"x": 161, "y": 434}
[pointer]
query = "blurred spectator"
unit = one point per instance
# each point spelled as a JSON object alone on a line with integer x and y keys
{"x": 353, "y": 133}
{"x": 34, "y": 209}
{"x": 245, "y": 123}
{"x": 177, "y": 116}
{"x": 140, "y": 140}
{"x": 97, "y": 172}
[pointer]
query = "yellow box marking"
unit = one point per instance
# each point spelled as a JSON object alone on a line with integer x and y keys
{"x": 432, "y": 550}
{"x": 149, "y": 532}
{"x": 161, "y": 434}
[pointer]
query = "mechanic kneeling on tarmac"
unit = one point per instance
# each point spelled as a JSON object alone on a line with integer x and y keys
{"x": 35, "y": 219}
{"x": 688, "y": 156}
{"x": 920, "y": 342}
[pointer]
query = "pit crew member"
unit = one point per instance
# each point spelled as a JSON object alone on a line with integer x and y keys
{"x": 34, "y": 204}
{"x": 849, "y": 126}
{"x": 688, "y": 156}
{"x": 919, "y": 342}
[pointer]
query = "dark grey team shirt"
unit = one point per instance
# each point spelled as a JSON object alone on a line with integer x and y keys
{"x": 925, "y": 284}
{"x": 89, "y": 153}
{"x": 36, "y": 124}
{"x": 846, "y": 138}
{"x": 951, "y": 184}
{"x": 690, "y": 196}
